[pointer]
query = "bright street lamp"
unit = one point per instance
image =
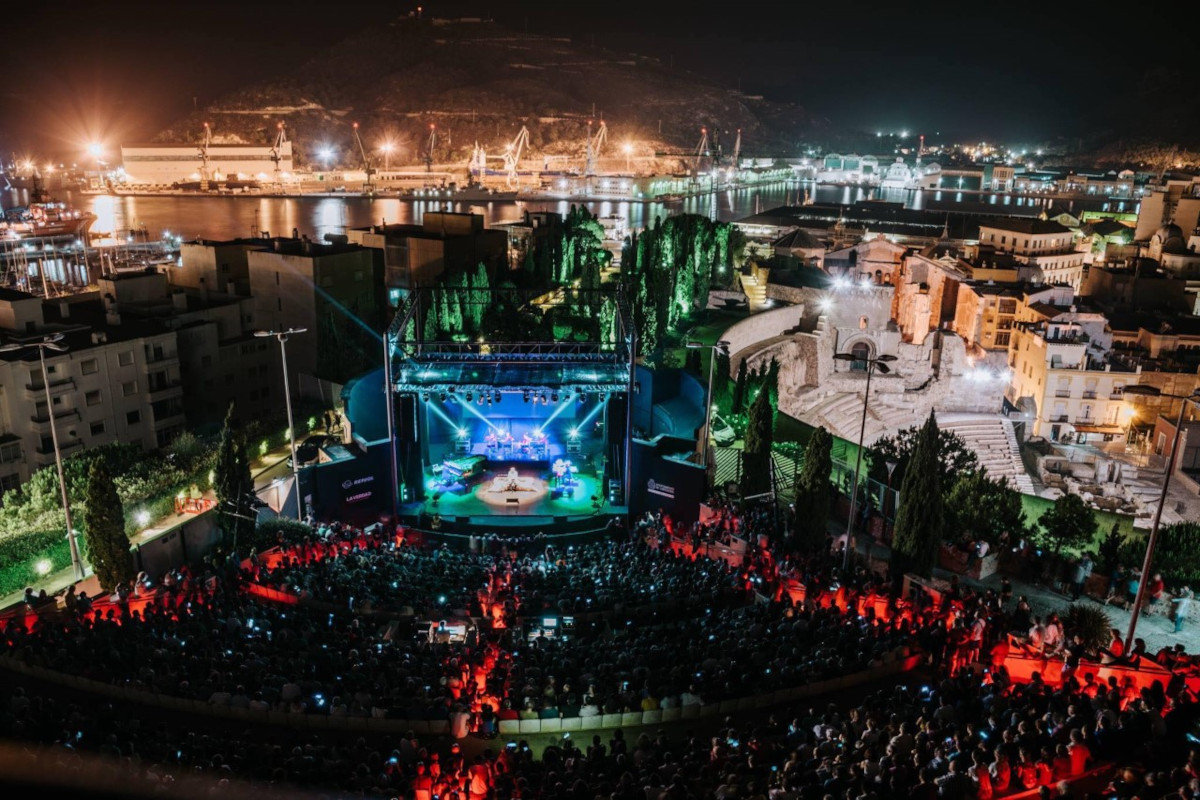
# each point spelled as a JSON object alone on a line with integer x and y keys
{"x": 721, "y": 346}
{"x": 282, "y": 336}
{"x": 386, "y": 148}
{"x": 53, "y": 342}
{"x": 878, "y": 363}
{"x": 1152, "y": 391}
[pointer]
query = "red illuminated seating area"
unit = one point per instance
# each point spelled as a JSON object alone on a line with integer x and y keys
{"x": 714, "y": 671}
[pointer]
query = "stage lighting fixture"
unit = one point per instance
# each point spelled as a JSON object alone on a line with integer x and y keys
{"x": 443, "y": 397}
{"x": 425, "y": 396}
{"x": 544, "y": 400}
{"x": 525, "y": 395}
{"x": 497, "y": 397}
{"x": 554, "y": 397}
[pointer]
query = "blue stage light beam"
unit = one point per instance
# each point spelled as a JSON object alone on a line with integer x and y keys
{"x": 471, "y": 408}
{"x": 591, "y": 414}
{"x": 561, "y": 407}
{"x": 434, "y": 407}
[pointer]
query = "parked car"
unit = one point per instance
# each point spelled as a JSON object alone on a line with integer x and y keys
{"x": 722, "y": 432}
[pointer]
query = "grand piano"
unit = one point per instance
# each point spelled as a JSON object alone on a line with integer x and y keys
{"x": 462, "y": 468}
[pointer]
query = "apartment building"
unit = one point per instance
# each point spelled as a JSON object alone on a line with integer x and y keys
{"x": 1045, "y": 248}
{"x": 113, "y": 383}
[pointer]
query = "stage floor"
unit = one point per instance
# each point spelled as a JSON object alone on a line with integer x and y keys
{"x": 535, "y": 498}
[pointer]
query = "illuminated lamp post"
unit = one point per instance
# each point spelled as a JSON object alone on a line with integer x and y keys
{"x": 878, "y": 363}
{"x": 54, "y": 342}
{"x": 386, "y": 148}
{"x": 1151, "y": 391}
{"x": 721, "y": 346}
{"x": 282, "y": 336}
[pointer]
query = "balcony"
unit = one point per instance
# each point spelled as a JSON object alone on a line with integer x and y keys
{"x": 1089, "y": 395}
{"x": 1117, "y": 395}
{"x": 1062, "y": 392}
{"x": 1060, "y": 417}
{"x": 44, "y": 418}
{"x": 166, "y": 422}
{"x": 164, "y": 391}
{"x": 37, "y": 391}
{"x": 64, "y": 447}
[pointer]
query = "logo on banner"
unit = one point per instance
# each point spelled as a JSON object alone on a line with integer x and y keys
{"x": 346, "y": 484}
{"x": 660, "y": 489}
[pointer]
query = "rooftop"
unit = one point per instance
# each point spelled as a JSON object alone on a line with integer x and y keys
{"x": 1029, "y": 225}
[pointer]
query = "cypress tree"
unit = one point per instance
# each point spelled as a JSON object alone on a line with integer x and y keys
{"x": 739, "y": 389}
{"x": 104, "y": 527}
{"x": 232, "y": 481}
{"x": 720, "y": 376}
{"x": 756, "y": 459}
{"x": 813, "y": 500}
{"x": 920, "y": 520}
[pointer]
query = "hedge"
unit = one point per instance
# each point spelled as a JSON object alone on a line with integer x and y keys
{"x": 19, "y": 557}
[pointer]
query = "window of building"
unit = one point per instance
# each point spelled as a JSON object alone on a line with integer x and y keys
{"x": 92, "y": 398}
{"x": 128, "y": 388}
{"x": 862, "y": 322}
{"x": 133, "y": 417}
{"x": 98, "y": 428}
{"x": 89, "y": 366}
{"x": 125, "y": 359}
{"x": 276, "y": 278}
{"x": 51, "y": 369}
{"x": 10, "y": 452}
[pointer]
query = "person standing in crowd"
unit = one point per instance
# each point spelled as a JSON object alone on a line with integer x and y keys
{"x": 1083, "y": 571}
{"x": 1183, "y": 604}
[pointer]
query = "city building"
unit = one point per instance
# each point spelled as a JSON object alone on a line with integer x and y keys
{"x": 168, "y": 164}
{"x": 1063, "y": 382}
{"x": 119, "y": 380}
{"x": 220, "y": 360}
{"x": 417, "y": 255}
{"x": 1046, "y": 248}
{"x": 1136, "y": 283}
{"x": 985, "y": 314}
{"x": 335, "y": 291}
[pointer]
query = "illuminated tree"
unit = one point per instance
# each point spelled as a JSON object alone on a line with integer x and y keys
{"x": 760, "y": 435}
{"x": 813, "y": 490}
{"x": 920, "y": 520}
{"x": 104, "y": 528}
{"x": 231, "y": 480}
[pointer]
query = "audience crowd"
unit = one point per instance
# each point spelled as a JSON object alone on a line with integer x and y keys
{"x": 652, "y": 621}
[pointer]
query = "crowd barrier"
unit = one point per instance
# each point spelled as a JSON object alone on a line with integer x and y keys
{"x": 1021, "y": 667}
{"x": 902, "y": 661}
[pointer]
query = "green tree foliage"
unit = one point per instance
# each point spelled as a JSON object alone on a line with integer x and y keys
{"x": 1069, "y": 523}
{"x": 920, "y": 519}
{"x": 104, "y": 526}
{"x": 1090, "y": 623}
{"x": 721, "y": 378}
{"x": 232, "y": 481}
{"x": 1108, "y": 555}
{"x": 1176, "y": 555}
{"x": 738, "y": 403}
{"x": 669, "y": 268}
{"x": 760, "y": 434}
{"x": 693, "y": 363}
{"x": 954, "y": 458}
{"x": 979, "y": 507}
{"x": 813, "y": 490}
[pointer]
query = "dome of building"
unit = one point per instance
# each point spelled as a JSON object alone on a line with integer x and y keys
{"x": 1170, "y": 238}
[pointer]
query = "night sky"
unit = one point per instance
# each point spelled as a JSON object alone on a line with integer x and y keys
{"x": 117, "y": 71}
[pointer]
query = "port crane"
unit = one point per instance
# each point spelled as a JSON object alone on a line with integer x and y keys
{"x": 593, "y": 147}
{"x": 203, "y": 155}
{"x": 429, "y": 148}
{"x": 277, "y": 153}
{"x": 512, "y": 158}
{"x": 368, "y": 184}
{"x": 701, "y": 152}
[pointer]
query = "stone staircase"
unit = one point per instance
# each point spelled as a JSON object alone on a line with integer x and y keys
{"x": 756, "y": 293}
{"x": 994, "y": 443}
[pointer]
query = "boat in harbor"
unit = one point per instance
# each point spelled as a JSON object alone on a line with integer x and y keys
{"x": 44, "y": 220}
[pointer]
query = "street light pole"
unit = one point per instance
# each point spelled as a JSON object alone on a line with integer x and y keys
{"x": 53, "y": 342}
{"x": 721, "y": 346}
{"x": 880, "y": 363}
{"x": 1152, "y": 542}
{"x": 282, "y": 336}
